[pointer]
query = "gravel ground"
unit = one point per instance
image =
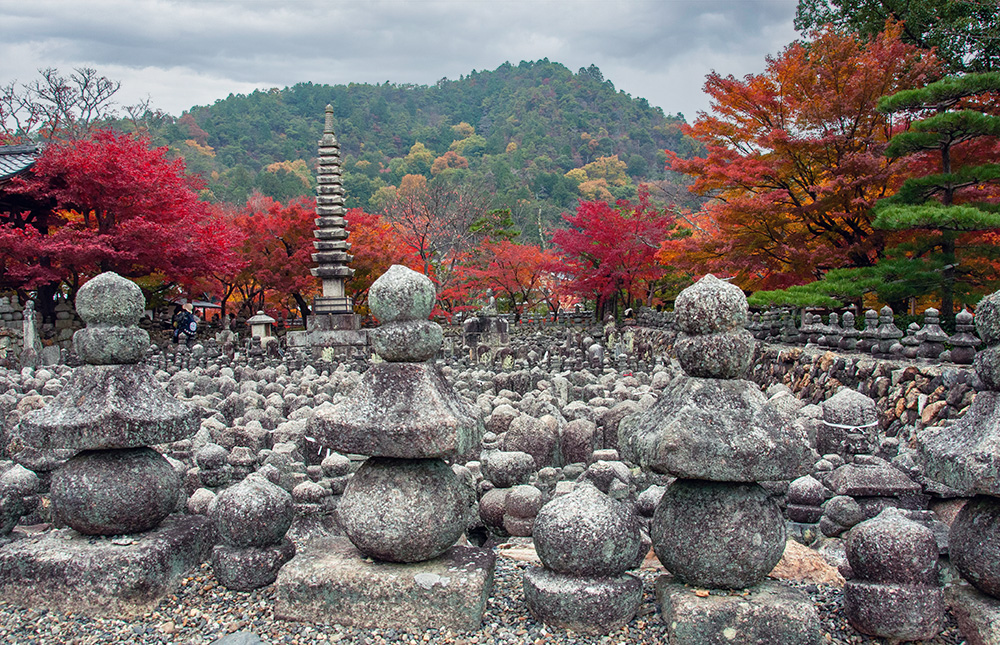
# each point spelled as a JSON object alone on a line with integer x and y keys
{"x": 202, "y": 611}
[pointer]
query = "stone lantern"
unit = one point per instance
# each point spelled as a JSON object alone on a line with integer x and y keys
{"x": 260, "y": 325}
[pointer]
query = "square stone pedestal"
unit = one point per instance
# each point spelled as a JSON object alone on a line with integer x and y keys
{"x": 330, "y": 581}
{"x": 116, "y": 577}
{"x": 339, "y": 332}
{"x": 768, "y": 614}
{"x": 977, "y": 614}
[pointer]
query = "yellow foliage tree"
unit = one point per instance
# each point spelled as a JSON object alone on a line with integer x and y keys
{"x": 299, "y": 168}
{"x": 610, "y": 169}
{"x": 419, "y": 159}
{"x": 579, "y": 175}
{"x": 412, "y": 184}
{"x": 596, "y": 190}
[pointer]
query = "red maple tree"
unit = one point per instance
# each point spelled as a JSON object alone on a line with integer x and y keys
{"x": 277, "y": 251}
{"x": 609, "y": 251}
{"x": 108, "y": 202}
{"x": 514, "y": 272}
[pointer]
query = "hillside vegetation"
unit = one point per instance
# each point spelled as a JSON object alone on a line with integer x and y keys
{"x": 536, "y": 135}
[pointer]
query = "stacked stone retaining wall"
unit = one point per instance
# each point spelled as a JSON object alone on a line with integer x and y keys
{"x": 908, "y": 395}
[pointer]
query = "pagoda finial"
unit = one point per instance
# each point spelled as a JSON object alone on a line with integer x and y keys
{"x": 328, "y": 127}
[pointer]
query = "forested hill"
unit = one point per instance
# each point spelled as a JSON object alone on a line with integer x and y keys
{"x": 517, "y": 130}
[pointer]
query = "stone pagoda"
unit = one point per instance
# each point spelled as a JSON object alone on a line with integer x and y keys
{"x": 715, "y": 526}
{"x": 107, "y": 416}
{"x": 404, "y": 509}
{"x": 334, "y": 323}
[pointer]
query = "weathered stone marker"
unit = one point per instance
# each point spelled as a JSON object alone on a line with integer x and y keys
{"x": 109, "y": 414}
{"x": 586, "y": 541}
{"x": 404, "y": 509}
{"x": 892, "y": 586}
{"x": 966, "y": 456}
{"x": 715, "y": 526}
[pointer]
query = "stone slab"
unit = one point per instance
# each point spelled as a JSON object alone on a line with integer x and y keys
{"x": 719, "y": 430}
{"x": 65, "y": 571}
{"x": 330, "y": 581}
{"x": 104, "y": 407}
{"x": 966, "y": 454}
{"x": 977, "y": 615}
{"x": 584, "y": 604}
{"x": 401, "y": 410}
{"x": 770, "y": 614}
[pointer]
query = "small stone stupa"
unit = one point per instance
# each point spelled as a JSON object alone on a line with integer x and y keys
{"x": 333, "y": 323}
{"x": 715, "y": 526}
{"x": 966, "y": 457}
{"x": 405, "y": 508}
{"x": 108, "y": 414}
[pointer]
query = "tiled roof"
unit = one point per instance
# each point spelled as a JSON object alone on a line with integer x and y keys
{"x": 16, "y": 159}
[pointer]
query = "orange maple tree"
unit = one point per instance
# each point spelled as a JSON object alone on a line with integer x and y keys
{"x": 795, "y": 162}
{"x": 375, "y": 247}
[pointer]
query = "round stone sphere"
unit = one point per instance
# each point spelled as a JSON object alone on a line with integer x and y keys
{"x": 891, "y": 549}
{"x": 987, "y": 364}
{"x": 253, "y": 513}
{"x": 974, "y": 543}
{"x": 401, "y": 294}
{"x": 988, "y": 319}
{"x": 110, "y": 299}
{"x": 112, "y": 492}
{"x": 717, "y": 534}
{"x": 586, "y": 533}
{"x": 725, "y": 355}
{"x": 111, "y": 345}
{"x": 411, "y": 341}
{"x": 404, "y": 510}
{"x": 710, "y": 306}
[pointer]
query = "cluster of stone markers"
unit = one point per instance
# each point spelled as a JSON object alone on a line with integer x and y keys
{"x": 879, "y": 336}
{"x": 405, "y": 508}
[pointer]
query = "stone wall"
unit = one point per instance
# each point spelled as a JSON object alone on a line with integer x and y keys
{"x": 908, "y": 395}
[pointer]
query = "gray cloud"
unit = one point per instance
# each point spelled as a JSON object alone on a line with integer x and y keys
{"x": 187, "y": 52}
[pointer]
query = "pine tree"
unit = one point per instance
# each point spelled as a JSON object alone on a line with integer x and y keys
{"x": 954, "y": 201}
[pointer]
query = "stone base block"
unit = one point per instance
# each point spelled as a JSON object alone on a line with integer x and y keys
{"x": 250, "y": 568}
{"x": 119, "y": 577}
{"x": 583, "y": 604}
{"x": 770, "y": 614}
{"x": 332, "y": 330}
{"x": 977, "y": 614}
{"x": 902, "y": 612}
{"x": 330, "y": 581}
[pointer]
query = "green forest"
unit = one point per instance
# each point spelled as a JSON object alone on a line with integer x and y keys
{"x": 536, "y": 136}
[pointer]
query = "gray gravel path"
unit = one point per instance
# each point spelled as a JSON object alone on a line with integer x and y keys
{"x": 201, "y": 612}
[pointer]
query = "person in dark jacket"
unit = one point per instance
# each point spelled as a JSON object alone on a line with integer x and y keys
{"x": 186, "y": 324}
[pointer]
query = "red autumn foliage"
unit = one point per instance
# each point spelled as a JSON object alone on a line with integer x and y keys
{"x": 277, "y": 249}
{"x": 108, "y": 202}
{"x": 610, "y": 251}
{"x": 514, "y": 272}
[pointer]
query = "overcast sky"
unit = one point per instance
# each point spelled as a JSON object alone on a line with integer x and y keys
{"x": 192, "y": 52}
